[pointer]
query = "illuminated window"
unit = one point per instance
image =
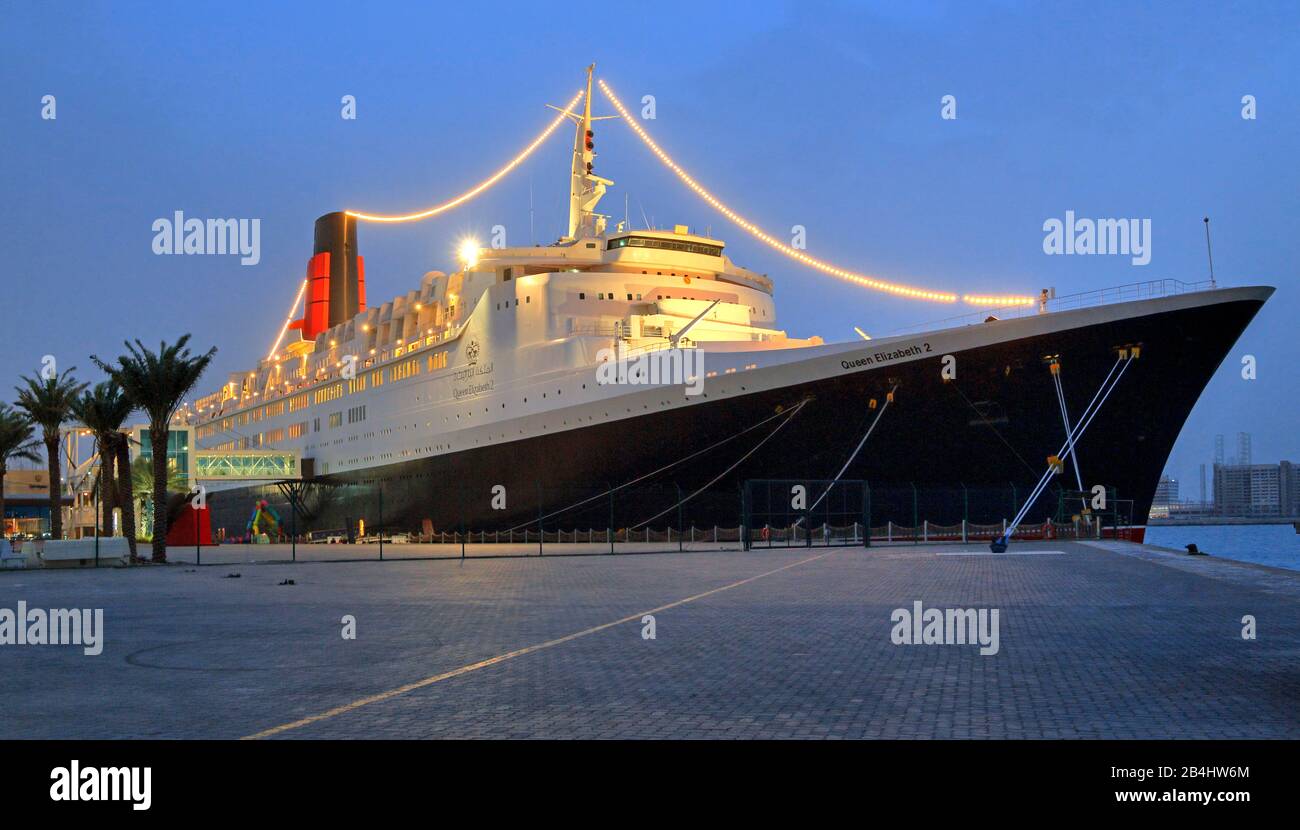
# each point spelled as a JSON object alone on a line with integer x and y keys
{"x": 329, "y": 393}
{"x": 405, "y": 369}
{"x": 664, "y": 245}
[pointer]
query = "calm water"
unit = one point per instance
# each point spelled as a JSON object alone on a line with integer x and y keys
{"x": 1276, "y": 545}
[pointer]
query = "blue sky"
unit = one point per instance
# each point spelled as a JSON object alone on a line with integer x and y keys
{"x": 820, "y": 114}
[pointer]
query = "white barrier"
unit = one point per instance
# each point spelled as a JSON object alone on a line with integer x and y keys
{"x": 10, "y": 558}
{"x": 80, "y": 553}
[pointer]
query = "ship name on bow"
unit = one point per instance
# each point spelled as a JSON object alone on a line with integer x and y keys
{"x": 877, "y": 358}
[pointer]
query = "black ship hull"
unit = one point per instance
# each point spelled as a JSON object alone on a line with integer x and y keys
{"x": 944, "y": 451}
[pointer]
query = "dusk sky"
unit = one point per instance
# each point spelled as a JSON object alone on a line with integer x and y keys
{"x": 821, "y": 114}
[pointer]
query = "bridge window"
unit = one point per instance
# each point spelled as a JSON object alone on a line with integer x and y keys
{"x": 664, "y": 245}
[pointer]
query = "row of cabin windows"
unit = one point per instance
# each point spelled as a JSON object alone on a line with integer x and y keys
{"x": 527, "y": 300}
{"x": 582, "y": 295}
{"x": 402, "y": 371}
{"x": 355, "y": 415}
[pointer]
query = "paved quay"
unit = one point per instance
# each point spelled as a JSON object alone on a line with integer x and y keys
{"x": 1095, "y": 641}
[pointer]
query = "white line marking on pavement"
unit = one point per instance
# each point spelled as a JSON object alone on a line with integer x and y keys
{"x": 510, "y": 655}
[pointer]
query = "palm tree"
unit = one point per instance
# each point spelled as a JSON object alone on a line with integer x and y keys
{"x": 103, "y": 410}
{"x": 141, "y": 481}
{"x": 125, "y": 489}
{"x": 49, "y": 403}
{"x": 15, "y": 442}
{"x": 156, "y": 383}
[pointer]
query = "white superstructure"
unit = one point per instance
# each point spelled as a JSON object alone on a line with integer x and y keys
{"x": 516, "y": 334}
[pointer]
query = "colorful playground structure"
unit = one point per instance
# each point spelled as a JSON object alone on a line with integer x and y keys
{"x": 264, "y": 523}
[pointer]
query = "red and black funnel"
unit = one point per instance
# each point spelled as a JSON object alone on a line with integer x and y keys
{"x": 336, "y": 274}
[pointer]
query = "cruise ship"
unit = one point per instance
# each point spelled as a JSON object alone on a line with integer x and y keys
{"x": 488, "y": 396}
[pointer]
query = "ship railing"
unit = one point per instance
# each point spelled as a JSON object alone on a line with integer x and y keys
{"x": 613, "y": 331}
{"x": 1129, "y": 292}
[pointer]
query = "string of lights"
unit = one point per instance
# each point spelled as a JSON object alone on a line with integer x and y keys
{"x": 287, "y": 320}
{"x": 482, "y": 186}
{"x": 795, "y": 254}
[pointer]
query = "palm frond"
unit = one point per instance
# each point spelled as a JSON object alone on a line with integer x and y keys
{"x": 16, "y": 436}
{"x": 157, "y": 382}
{"x": 49, "y": 401}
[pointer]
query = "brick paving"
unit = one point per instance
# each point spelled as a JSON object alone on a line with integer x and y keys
{"x": 1094, "y": 643}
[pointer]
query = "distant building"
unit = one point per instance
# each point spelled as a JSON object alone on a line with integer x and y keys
{"x": 1166, "y": 492}
{"x": 27, "y": 502}
{"x": 1289, "y": 488}
{"x": 1257, "y": 489}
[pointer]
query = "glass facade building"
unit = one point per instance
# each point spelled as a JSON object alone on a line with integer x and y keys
{"x": 178, "y": 449}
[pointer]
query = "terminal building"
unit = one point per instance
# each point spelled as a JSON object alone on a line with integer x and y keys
{"x": 27, "y": 502}
{"x": 27, "y": 495}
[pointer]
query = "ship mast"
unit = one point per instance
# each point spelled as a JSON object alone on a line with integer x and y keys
{"x": 585, "y": 187}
